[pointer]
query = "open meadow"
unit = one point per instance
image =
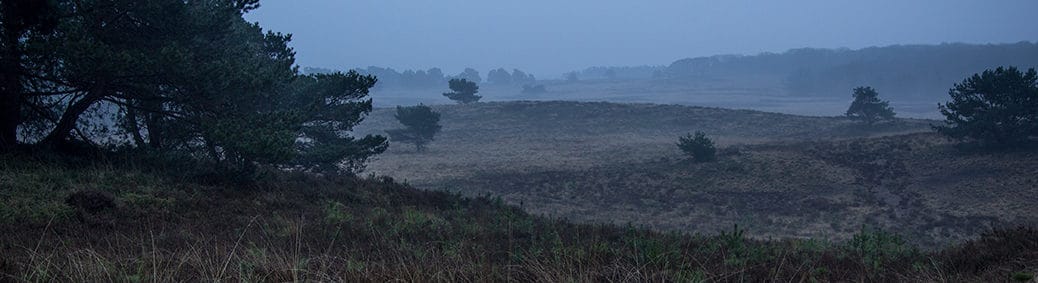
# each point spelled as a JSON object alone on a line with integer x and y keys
{"x": 778, "y": 175}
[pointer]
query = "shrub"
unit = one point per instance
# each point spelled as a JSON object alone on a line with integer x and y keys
{"x": 878, "y": 249}
{"x": 698, "y": 146}
{"x": 90, "y": 201}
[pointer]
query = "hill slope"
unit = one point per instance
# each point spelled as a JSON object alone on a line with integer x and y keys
{"x": 778, "y": 175}
{"x": 110, "y": 220}
{"x": 915, "y": 185}
{"x": 525, "y": 135}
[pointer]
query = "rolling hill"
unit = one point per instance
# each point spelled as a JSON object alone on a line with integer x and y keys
{"x": 778, "y": 175}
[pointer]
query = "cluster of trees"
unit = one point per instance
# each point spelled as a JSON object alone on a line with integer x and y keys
{"x": 435, "y": 77}
{"x": 997, "y": 108}
{"x": 616, "y": 73}
{"x": 189, "y": 77}
{"x": 501, "y": 76}
{"x": 471, "y": 75}
{"x": 430, "y": 78}
{"x": 906, "y": 71}
{"x": 389, "y": 77}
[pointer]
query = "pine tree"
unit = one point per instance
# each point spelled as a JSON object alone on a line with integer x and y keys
{"x": 421, "y": 124}
{"x": 463, "y": 91}
{"x": 698, "y": 146}
{"x": 997, "y": 108}
{"x": 867, "y": 106}
{"x": 153, "y": 63}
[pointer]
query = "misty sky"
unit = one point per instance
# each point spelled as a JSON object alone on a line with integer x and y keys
{"x": 551, "y": 37}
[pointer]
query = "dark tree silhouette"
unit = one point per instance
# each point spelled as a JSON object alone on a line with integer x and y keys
{"x": 499, "y": 76}
{"x": 471, "y": 75}
{"x": 572, "y": 77}
{"x": 463, "y": 91}
{"x": 867, "y": 106}
{"x": 996, "y": 108}
{"x": 698, "y": 146}
{"x": 19, "y": 20}
{"x": 421, "y": 124}
{"x": 520, "y": 77}
{"x": 153, "y": 62}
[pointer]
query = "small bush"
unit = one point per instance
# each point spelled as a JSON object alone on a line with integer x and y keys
{"x": 878, "y": 249}
{"x": 336, "y": 212}
{"x": 1023, "y": 276}
{"x": 698, "y": 146}
{"x": 90, "y": 201}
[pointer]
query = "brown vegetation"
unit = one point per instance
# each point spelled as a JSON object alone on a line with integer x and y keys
{"x": 777, "y": 175}
{"x": 295, "y": 227}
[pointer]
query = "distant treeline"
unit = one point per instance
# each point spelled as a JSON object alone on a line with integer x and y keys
{"x": 905, "y": 71}
{"x": 617, "y": 73}
{"x": 434, "y": 77}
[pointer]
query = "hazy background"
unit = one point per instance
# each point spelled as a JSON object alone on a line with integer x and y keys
{"x": 548, "y": 38}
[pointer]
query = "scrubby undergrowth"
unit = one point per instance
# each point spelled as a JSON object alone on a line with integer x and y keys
{"x": 131, "y": 221}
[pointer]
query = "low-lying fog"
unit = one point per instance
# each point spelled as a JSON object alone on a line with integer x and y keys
{"x": 643, "y": 49}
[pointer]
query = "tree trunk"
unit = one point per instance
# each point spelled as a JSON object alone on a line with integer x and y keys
{"x": 153, "y": 121}
{"x": 68, "y": 119}
{"x": 10, "y": 115}
{"x": 10, "y": 92}
{"x": 131, "y": 124}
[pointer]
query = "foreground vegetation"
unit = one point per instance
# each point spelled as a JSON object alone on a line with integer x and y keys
{"x": 189, "y": 78}
{"x": 195, "y": 225}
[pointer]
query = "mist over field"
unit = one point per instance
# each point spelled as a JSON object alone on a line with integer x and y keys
{"x": 550, "y": 38}
{"x": 802, "y": 57}
{"x": 529, "y": 141}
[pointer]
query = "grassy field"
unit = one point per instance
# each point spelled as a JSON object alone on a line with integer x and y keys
{"x": 542, "y": 191}
{"x": 778, "y": 175}
{"x": 113, "y": 219}
{"x": 530, "y": 136}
